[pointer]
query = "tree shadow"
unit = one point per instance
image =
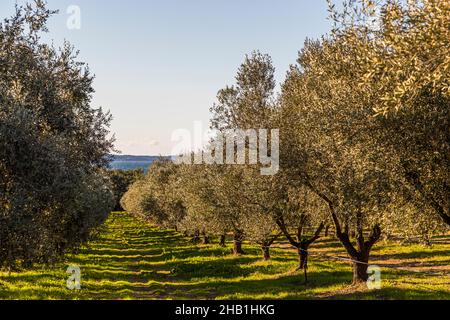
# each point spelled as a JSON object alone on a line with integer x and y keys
{"x": 390, "y": 294}
{"x": 285, "y": 286}
{"x": 417, "y": 254}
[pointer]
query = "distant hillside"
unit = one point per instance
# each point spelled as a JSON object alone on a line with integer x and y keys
{"x": 129, "y": 162}
{"x": 134, "y": 158}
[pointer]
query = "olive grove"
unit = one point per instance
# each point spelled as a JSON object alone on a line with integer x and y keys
{"x": 54, "y": 191}
{"x": 364, "y": 139}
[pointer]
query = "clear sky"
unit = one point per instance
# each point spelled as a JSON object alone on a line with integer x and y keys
{"x": 160, "y": 63}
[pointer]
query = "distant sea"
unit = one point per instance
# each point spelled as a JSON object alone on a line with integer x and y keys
{"x": 127, "y": 162}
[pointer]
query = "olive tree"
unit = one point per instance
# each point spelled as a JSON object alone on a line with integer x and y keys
{"x": 405, "y": 56}
{"x": 304, "y": 211}
{"x": 202, "y": 208}
{"x": 329, "y": 130}
{"x": 246, "y": 105}
{"x": 53, "y": 145}
{"x": 157, "y": 198}
{"x": 225, "y": 183}
{"x": 249, "y": 103}
{"x": 121, "y": 180}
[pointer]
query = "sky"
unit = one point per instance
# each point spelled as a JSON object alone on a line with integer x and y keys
{"x": 159, "y": 63}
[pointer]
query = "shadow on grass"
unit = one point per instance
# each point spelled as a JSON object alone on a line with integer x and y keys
{"x": 134, "y": 260}
{"x": 389, "y": 293}
{"x": 427, "y": 253}
{"x": 286, "y": 286}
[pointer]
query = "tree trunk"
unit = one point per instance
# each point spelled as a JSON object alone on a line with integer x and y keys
{"x": 222, "y": 241}
{"x": 301, "y": 244}
{"x": 237, "y": 244}
{"x": 237, "y": 247}
{"x": 266, "y": 252}
{"x": 360, "y": 269}
{"x": 196, "y": 237}
{"x": 205, "y": 238}
{"x": 360, "y": 273}
{"x": 303, "y": 258}
{"x": 327, "y": 230}
{"x": 360, "y": 254}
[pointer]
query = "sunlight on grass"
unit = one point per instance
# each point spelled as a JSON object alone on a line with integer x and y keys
{"x": 133, "y": 261}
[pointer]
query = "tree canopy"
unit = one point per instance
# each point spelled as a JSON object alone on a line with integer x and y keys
{"x": 53, "y": 145}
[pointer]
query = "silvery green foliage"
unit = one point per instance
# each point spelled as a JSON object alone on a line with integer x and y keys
{"x": 156, "y": 197}
{"x": 247, "y": 104}
{"x": 53, "y": 146}
{"x": 121, "y": 181}
{"x": 402, "y": 53}
{"x": 417, "y": 140}
{"x": 204, "y": 213}
{"x": 411, "y": 223}
{"x": 334, "y": 152}
{"x": 402, "y": 47}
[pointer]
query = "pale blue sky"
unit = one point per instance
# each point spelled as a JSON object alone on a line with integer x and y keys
{"x": 160, "y": 63}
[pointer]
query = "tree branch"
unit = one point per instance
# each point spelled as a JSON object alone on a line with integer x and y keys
{"x": 316, "y": 234}
{"x": 282, "y": 225}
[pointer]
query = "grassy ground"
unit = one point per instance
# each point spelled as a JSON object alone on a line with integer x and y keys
{"x": 134, "y": 261}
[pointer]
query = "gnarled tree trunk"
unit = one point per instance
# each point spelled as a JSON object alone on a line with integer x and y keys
{"x": 360, "y": 272}
{"x": 205, "y": 238}
{"x": 361, "y": 253}
{"x": 266, "y": 252}
{"x": 222, "y": 241}
{"x": 196, "y": 237}
{"x": 237, "y": 243}
{"x": 302, "y": 251}
{"x": 302, "y": 244}
{"x": 266, "y": 244}
{"x": 327, "y": 230}
{"x": 303, "y": 259}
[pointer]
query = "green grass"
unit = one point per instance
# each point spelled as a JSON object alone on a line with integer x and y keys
{"x": 133, "y": 261}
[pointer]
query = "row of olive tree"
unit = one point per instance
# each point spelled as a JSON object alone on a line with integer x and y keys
{"x": 121, "y": 180}
{"x": 364, "y": 128}
{"x": 53, "y": 188}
